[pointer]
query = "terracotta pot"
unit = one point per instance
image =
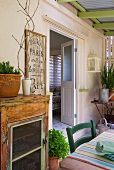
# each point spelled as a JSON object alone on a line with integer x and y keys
{"x": 53, "y": 163}
{"x": 9, "y": 85}
{"x": 110, "y": 93}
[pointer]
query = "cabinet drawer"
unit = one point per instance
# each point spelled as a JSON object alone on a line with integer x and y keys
{"x": 24, "y": 111}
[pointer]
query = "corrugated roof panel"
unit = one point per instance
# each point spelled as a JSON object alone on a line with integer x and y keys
{"x": 96, "y": 4}
{"x": 106, "y": 19}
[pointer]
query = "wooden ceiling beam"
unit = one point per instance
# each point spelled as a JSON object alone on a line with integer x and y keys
{"x": 109, "y": 33}
{"x": 80, "y": 8}
{"x": 104, "y": 26}
{"x": 97, "y": 14}
{"x": 63, "y": 1}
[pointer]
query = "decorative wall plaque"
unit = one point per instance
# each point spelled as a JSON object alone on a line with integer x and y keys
{"x": 35, "y": 61}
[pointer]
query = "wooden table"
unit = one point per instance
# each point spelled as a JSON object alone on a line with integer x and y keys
{"x": 70, "y": 163}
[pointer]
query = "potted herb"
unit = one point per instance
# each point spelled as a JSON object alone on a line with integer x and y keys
{"x": 107, "y": 79}
{"x": 9, "y": 80}
{"x": 58, "y": 148}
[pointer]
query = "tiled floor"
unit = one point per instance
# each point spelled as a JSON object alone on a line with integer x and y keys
{"x": 57, "y": 124}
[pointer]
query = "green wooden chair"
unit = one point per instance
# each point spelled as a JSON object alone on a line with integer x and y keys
{"x": 71, "y": 131}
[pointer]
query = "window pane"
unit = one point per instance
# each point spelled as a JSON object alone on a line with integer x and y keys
{"x": 67, "y": 64}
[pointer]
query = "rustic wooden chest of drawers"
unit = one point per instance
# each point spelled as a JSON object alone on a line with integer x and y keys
{"x": 24, "y": 132}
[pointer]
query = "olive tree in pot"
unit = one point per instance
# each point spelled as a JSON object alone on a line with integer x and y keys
{"x": 58, "y": 148}
{"x": 9, "y": 80}
{"x": 107, "y": 80}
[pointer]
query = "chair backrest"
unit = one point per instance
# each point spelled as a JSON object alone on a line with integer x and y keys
{"x": 70, "y": 131}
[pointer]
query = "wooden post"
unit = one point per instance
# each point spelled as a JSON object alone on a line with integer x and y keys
{"x": 26, "y": 56}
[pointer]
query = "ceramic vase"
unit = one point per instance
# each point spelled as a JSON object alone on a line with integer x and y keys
{"x": 26, "y": 83}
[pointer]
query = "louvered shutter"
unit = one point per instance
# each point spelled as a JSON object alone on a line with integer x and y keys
{"x": 55, "y": 71}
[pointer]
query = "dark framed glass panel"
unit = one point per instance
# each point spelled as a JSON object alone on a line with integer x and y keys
{"x": 29, "y": 162}
{"x": 26, "y": 137}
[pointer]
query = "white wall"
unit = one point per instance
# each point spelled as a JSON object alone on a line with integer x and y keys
{"x": 65, "y": 22}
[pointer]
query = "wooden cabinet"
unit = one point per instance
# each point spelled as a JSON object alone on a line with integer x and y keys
{"x": 24, "y": 132}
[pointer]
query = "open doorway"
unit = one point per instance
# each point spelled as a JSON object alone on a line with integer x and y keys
{"x": 56, "y": 40}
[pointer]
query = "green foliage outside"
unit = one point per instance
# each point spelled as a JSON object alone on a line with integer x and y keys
{"x": 107, "y": 78}
{"x": 6, "y": 68}
{"x": 58, "y": 146}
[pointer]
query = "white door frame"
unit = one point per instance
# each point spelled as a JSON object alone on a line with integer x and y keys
{"x": 68, "y": 33}
{"x": 74, "y": 38}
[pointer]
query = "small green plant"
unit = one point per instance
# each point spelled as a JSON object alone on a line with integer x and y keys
{"x": 107, "y": 78}
{"x": 6, "y": 68}
{"x": 58, "y": 146}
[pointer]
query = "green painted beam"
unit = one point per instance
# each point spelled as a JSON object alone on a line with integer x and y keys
{"x": 63, "y": 1}
{"x": 109, "y": 33}
{"x": 97, "y": 14}
{"x": 95, "y": 20}
{"x": 79, "y": 7}
{"x": 104, "y": 26}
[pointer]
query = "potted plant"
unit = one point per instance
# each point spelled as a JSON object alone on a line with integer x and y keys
{"x": 58, "y": 148}
{"x": 9, "y": 80}
{"x": 107, "y": 79}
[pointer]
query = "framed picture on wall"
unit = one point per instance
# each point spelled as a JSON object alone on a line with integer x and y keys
{"x": 35, "y": 61}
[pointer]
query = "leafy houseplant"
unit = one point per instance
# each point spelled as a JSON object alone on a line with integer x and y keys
{"x": 58, "y": 146}
{"x": 9, "y": 80}
{"x": 107, "y": 78}
{"x": 6, "y": 68}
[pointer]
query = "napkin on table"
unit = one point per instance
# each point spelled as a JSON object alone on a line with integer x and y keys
{"x": 105, "y": 148}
